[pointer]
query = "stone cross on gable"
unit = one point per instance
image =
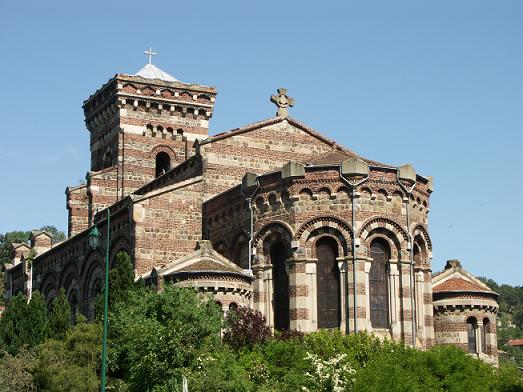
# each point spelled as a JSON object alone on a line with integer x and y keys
{"x": 150, "y": 53}
{"x": 282, "y": 100}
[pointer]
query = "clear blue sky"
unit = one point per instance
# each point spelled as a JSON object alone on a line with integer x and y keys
{"x": 438, "y": 84}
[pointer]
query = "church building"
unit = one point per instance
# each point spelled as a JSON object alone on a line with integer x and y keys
{"x": 272, "y": 215}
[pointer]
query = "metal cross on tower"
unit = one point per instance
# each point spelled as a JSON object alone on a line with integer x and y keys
{"x": 150, "y": 53}
{"x": 282, "y": 100}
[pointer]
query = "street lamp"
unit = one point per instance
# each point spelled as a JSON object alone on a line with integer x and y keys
{"x": 94, "y": 242}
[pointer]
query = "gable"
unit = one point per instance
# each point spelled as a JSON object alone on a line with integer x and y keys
{"x": 457, "y": 279}
{"x": 264, "y": 147}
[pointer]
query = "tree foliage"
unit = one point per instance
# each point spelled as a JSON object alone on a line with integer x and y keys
{"x": 16, "y": 372}
{"x": 7, "y": 239}
{"x": 510, "y": 317}
{"x": 72, "y": 363}
{"x": 153, "y": 336}
{"x": 60, "y": 316}
{"x": 24, "y": 324}
{"x": 245, "y": 327}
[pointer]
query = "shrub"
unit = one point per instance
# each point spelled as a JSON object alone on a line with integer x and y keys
{"x": 70, "y": 364}
{"x": 154, "y": 336}
{"x": 245, "y": 328}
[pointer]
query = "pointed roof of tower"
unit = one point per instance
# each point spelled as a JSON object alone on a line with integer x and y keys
{"x": 150, "y": 71}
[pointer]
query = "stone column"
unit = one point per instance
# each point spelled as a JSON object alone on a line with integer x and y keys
{"x": 269, "y": 295}
{"x": 312, "y": 298}
{"x": 479, "y": 342}
{"x": 420, "y": 308}
{"x": 367, "y": 325}
{"x": 342, "y": 266}
{"x": 406, "y": 308}
{"x": 362, "y": 297}
{"x": 299, "y": 309}
{"x": 260, "y": 298}
{"x": 429, "y": 309}
{"x": 394, "y": 299}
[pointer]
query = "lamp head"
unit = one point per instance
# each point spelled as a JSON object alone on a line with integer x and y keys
{"x": 94, "y": 238}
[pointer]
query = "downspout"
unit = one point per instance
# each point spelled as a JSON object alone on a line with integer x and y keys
{"x": 248, "y": 200}
{"x": 411, "y": 259}
{"x": 353, "y": 213}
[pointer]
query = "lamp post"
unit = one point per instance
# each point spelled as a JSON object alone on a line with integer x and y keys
{"x": 94, "y": 242}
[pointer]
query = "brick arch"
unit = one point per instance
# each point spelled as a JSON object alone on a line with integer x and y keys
{"x": 49, "y": 286}
{"x": 386, "y": 235}
{"x": 422, "y": 231}
{"x": 323, "y": 221}
{"x": 69, "y": 274}
{"x": 383, "y": 223}
{"x": 240, "y": 240}
{"x": 270, "y": 233}
{"x": 121, "y": 243}
{"x": 162, "y": 148}
{"x": 94, "y": 272}
{"x": 330, "y": 226}
{"x": 322, "y": 232}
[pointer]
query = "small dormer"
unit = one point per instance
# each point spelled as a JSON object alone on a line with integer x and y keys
{"x": 19, "y": 251}
{"x": 41, "y": 241}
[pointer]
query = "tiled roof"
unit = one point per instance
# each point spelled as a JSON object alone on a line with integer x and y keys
{"x": 457, "y": 284}
{"x": 207, "y": 265}
{"x": 335, "y": 157}
{"x": 515, "y": 342}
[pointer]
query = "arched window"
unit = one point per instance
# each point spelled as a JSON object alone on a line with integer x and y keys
{"x": 328, "y": 283}
{"x": 378, "y": 297}
{"x": 107, "y": 159}
{"x": 233, "y": 306}
{"x": 484, "y": 331}
{"x": 241, "y": 253}
{"x": 163, "y": 163}
{"x": 280, "y": 282}
{"x": 471, "y": 334}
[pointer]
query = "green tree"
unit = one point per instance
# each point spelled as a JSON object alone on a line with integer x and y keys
{"x": 121, "y": 282}
{"x": 12, "y": 324}
{"x": 153, "y": 336}
{"x": 121, "y": 279}
{"x": 16, "y": 372}
{"x": 9, "y": 238}
{"x": 60, "y": 316}
{"x": 35, "y": 328}
{"x": 24, "y": 324}
{"x": 70, "y": 364}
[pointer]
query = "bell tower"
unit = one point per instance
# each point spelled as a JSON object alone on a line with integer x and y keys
{"x": 140, "y": 127}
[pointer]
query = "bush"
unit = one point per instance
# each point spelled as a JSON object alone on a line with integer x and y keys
{"x": 245, "y": 328}
{"x": 24, "y": 324}
{"x": 60, "y": 317}
{"x": 71, "y": 364}
{"x": 16, "y": 372}
{"x": 154, "y": 336}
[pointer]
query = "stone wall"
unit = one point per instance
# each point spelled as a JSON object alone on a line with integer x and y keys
{"x": 301, "y": 210}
